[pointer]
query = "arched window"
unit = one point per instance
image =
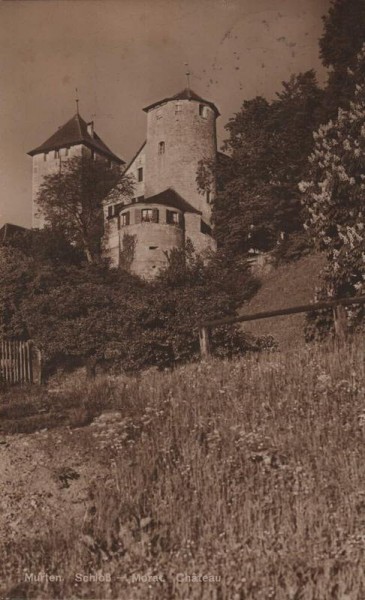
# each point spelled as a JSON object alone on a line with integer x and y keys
{"x": 161, "y": 148}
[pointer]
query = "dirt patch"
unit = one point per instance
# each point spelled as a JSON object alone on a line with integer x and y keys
{"x": 46, "y": 476}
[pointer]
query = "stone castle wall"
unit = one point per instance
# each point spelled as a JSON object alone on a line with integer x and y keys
{"x": 188, "y": 137}
{"x": 150, "y": 240}
{"x": 47, "y": 164}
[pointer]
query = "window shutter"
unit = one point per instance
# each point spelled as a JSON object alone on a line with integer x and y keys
{"x": 155, "y": 215}
{"x": 137, "y": 215}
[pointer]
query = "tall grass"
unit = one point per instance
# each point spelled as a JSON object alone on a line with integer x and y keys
{"x": 249, "y": 471}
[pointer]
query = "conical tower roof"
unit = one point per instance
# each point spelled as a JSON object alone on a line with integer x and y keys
{"x": 186, "y": 94}
{"x": 75, "y": 131}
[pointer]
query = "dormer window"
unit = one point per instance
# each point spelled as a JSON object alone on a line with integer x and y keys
{"x": 161, "y": 148}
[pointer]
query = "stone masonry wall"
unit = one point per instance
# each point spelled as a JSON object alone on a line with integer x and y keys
{"x": 151, "y": 241}
{"x": 188, "y": 138}
{"x": 202, "y": 242}
{"x": 47, "y": 164}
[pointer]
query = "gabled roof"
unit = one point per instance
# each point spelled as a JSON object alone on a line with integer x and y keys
{"x": 9, "y": 230}
{"x": 135, "y": 156}
{"x": 75, "y": 132}
{"x": 186, "y": 94}
{"x": 168, "y": 198}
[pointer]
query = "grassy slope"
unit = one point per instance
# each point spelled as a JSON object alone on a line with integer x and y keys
{"x": 285, "y": 286}
{"x": 249, "y": 470}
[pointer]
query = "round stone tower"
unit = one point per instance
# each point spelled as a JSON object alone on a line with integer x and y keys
{"x": 167, "y": 208}
{"x": 181, "y": 131}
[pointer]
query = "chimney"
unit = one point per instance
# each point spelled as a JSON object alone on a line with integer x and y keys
{"x": 90, "y": 128}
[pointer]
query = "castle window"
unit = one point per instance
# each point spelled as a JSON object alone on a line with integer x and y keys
{"x": 110, "y": 211}
{"x": 124, "y": 219}
{"x": 205, "y": 228}
{"x": 140, "y": 174}
{"x": 203, "y": 111}
{"x": 172, "y": 217}
{"x": 208, "y": 196}
{"x": 56, "y": 154}
{"x": 66, "y": 151}
{"x": 149, "y": 215}
{"x": 161, "y": 148}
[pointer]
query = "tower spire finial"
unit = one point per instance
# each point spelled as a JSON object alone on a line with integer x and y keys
{"x": 77, "y": 101}
{"x": 187, "y": 73}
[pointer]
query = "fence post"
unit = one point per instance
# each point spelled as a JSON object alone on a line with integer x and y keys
{"x": 204, "y": 341}
{"x": 340, "y": 322}
{"x": 36, "y": 364}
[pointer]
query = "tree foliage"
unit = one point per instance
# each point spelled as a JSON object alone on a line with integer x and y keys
{"x": 268, "y": 146}
{"x": 47, "y": 246}
{"x": 71, "y": 200}
{"x": 343, "y": 37}
{"x": 334, "y": 193}
{"x": 81, "y": 312}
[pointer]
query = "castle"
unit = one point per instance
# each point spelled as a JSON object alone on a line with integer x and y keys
{"x": 166, "y": 208}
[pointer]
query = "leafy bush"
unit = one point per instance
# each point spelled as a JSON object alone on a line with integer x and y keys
{"x": 88, "y": 313}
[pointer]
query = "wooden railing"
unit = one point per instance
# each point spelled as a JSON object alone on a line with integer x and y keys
{"x": 20, "y": 362}
{"x": 338, "y": 307}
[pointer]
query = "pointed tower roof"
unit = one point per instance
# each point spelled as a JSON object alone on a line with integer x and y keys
{"x": 75, "y": 131}
{"x": 186, "y": 94}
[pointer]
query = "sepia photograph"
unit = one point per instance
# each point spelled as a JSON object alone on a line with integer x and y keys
{"x": 182, "y": 300}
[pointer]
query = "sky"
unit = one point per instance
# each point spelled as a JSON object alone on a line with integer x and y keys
{"x": 122, "y": 55}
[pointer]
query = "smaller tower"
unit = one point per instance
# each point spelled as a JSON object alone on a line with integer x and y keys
{"x": 74, "y": 138}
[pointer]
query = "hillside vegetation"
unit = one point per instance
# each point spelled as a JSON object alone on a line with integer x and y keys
{"x": 249, "y": 471}
{"x": 290, "y": 284}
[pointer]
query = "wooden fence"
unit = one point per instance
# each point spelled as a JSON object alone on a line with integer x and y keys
{"x": 339, "y": 314}
{"x": 20, "y": 362}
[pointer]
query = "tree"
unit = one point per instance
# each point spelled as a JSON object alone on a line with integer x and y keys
{"x": 47, "y": 246}
{"x": 71, "y": 199}
{"x": 333, "y": 194}
{"x": 89, "y": 312}
{"x": 268, "y": 144}
{"x": 343, "y": 37}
